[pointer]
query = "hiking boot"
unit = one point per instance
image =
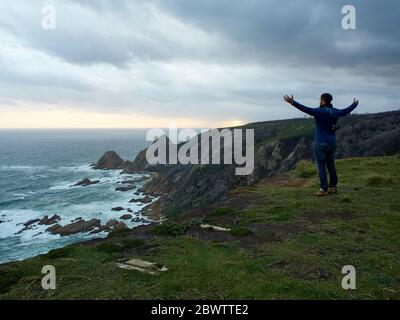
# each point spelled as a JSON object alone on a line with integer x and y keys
{"x": 321, "y": 193}
{"x": 332, "y": 190}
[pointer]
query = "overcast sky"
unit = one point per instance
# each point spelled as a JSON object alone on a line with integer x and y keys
{"x": 201, "y": 63}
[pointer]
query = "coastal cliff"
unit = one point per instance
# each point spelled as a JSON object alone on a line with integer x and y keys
{"x": 279, "y": 145}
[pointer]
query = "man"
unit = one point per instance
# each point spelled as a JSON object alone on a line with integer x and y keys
{"x": 326, "y": 117}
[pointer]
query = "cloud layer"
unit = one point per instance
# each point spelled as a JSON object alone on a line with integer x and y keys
{"x": 216, "y": 61}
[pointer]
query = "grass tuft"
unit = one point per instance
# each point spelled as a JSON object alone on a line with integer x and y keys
{"x": 240, "y": 232}
{"x": 107, "y": 247}
{"x": 118, "y": 233}
{"x": 60, "y": 253}
{"x": 172, "y": 229}
{"x": 346, "y": 199}
{"x": 305, "y": 169}
{"x": 9, "y": 278}
{"x": 378, "y": 180}
{"x": 222, "y": 211}
{"x": 132, "y": 243}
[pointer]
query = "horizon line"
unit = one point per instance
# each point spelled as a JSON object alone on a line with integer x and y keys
{"x": 147, "y": 128}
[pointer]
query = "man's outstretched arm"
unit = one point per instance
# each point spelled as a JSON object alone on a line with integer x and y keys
{"x": 346, "y": 111}
{"x": 309, "y": 111}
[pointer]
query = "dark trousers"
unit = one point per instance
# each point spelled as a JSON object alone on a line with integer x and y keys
{"x": 325, "y": 158}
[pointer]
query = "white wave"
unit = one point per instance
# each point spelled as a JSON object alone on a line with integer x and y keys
{"x": 22, "y": 168}
{"x": 63, "y": 185}
{"x": 19, "y": 195}
{"x": 14, "y": 220}
{"x": 78, "y": 168}
{"x": 37, "y": 241}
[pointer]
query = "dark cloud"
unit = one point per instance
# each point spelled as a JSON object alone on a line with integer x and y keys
{"x": 300, "y": 31}
{"x": 199, "y": 58}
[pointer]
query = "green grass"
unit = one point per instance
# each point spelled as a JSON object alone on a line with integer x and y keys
{"x": 240, "y": 232}
{"x": 174, "y": 229}
{"x": 305, "y": 169}
{"x": 108, "y": 247}
{"x": 377, "y": 180}
{"x": 60, "y": 253}
{"x": 221, "y": 212}
{"x": 303, "y": 244}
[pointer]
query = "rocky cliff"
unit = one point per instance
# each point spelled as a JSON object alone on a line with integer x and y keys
{"x": 111, "y": 161}
{"x": 279, "y": 145}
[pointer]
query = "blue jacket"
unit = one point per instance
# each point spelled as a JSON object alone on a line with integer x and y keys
{"x": 325, "y": 120}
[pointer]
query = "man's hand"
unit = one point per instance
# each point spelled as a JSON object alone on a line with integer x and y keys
{"x": 288, "y": 99}
{"x": 356, "y": 102}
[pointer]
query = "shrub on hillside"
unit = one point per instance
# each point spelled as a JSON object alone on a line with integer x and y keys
{"x": 108, "y": 247}
{"x": 172, "y": 229}
{"x": 222, "y": 211}
{"x": 60, "y": 253}
{"x": 305, "y": 169}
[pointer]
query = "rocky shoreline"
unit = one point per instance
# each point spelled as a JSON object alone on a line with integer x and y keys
{"x": 109, "y": 161}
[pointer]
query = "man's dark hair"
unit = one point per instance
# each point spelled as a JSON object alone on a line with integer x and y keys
{"x": 327, "y": 97}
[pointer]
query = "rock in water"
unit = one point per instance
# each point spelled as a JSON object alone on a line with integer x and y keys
{"x": 146, "y": 199}
{"x": 46, "y": 221}
{"x": 126, "y": 188}
{"x": 86, "y": 182}
{"x": 49, "y": 221}
{"x": 111, "y": 161}
{"x": 75, "y": 227}
{"x": 31, "y": 222}
{"x": 126, "y": 217}
{"x": 114, "y": 225}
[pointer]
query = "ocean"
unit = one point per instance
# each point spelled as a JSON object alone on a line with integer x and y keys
{"x": 37, "y": 171}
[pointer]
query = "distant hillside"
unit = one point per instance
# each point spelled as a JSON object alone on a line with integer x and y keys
{"x": 279, "y": 145}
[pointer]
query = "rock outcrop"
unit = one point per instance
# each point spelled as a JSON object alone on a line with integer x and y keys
{"x": 86, "y": 182}
{"x": 125, "y": 188}
{"x": 147, "y": 199}
{"x": 114, "y": 225}
{"x": 111, "y": 161}
{"x": 75, "y": 227}
{"x": 46, "y": 221}
{"x": 126, "y": 217}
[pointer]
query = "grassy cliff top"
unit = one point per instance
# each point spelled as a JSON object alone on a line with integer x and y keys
{"x": 283, "y": 244}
